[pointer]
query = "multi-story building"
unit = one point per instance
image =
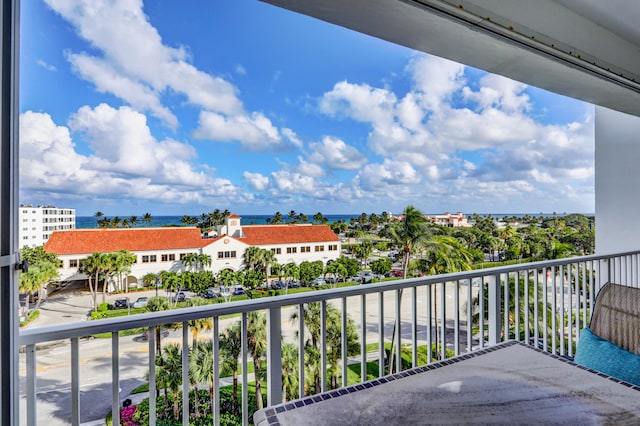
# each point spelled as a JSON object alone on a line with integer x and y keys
{"x": 36, "y": 224}
{"x": 449, "y": 219}
{"x": 162, "y": 249}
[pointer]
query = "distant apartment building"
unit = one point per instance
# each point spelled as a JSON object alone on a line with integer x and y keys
{"x": 36, "y": 224}
{"x": 449, "y": 219}
{"x": 162, "y": 249}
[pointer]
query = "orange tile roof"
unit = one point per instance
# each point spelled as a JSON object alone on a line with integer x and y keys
{"x": 258, "y": 235}
{"x": 80, "y": 241}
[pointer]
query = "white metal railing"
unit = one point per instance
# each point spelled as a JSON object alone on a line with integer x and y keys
{"x": 542, "y": 303}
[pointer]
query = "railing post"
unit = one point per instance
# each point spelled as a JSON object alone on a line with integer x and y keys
{"x": 274, "y": 356}
{"x": 495, "y": 325}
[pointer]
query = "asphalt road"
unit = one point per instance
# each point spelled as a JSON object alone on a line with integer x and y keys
{"x": 53, "y": 364}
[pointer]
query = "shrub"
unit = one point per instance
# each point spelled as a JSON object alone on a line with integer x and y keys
{"x": 98, "y": 315}
{"x": 104, "y": 307}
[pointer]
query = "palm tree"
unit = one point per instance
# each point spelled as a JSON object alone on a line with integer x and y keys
{"x": 133, "y": 220}
{"x": 333, "y": 339}
{"x": 277, "y": 218}
{"x": 257, "y": 345}
{"x": 35, "y": 279}
{"x": 169, "y": 373}
{"x": 230, "y": 347}
{"x": 189, "y": 261}
{"x": 202, "y": 324}
{"x": 444, "y": 254}
{"x": 202, "y": 261}
{"x": 526, "y": 287}
{"x": 95, "y": 265}
{"x": 147, "y": 219}
{"x": 157, "y": 304}
{"x": 201, "y": 370}
{"x": 289, "y": 371}
{"x": 411, "y": 233}
{"x": 253, "y": 257}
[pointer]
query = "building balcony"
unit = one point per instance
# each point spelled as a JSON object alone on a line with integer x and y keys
{"x": 66, "y": 376}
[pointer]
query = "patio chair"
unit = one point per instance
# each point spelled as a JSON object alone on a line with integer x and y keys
{"x": 616, "y": 316}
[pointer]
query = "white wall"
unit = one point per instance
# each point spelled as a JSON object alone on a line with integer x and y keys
{"x": 617, "y": 163}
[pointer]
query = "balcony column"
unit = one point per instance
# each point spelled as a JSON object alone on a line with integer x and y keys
{"x": 274, "y": 356}
{"x": 9, "y": 385}
{"x": 495, "y": 325}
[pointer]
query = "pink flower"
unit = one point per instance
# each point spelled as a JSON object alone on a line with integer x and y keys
{"x": 126, "y": 416}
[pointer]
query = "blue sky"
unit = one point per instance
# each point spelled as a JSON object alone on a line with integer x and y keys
{"x": 178, "y": 107}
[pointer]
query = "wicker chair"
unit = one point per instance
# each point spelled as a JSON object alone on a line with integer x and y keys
{"x": 616, "y": 316}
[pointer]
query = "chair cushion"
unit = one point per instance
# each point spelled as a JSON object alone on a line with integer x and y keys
{"x": 601, "y": 355}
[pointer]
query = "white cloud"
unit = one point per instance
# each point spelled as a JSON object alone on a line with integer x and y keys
{"x": 334, "y": 153}
{"x": 389, "y": 173}
{"x": 256, "y": 132}
{"x": 147, "y": 69}
{"x": 310, "y": 169}
{"x": 359, "y": 102}
{"x": 240, "y": 70}
{"x": 146, "y": 66}
{"x": 46, "y": 65}
{"x": 257, "y": 181}
{"x": 126, "y": 161}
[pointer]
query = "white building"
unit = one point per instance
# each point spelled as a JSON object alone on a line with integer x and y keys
{"x": 161, "y": 249}
{"x": 36, "y": 224}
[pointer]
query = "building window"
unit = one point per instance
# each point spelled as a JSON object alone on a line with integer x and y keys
{"x": 227, "y": 254}
{"x": 164, "y": 257}
{"x": 182, "y": 255}
{"x": 278, "y": 250}
{"x": 73, "y": 263}
{"x": 153, "y": 258}
{"x": 319, "y": 248}
{"x": 145, "y": 259}
{"x": 291, "y": 250}
{"x": 333, "y": 247}
{"x": 172, "y": 257}
{"x": 305, "y": 249}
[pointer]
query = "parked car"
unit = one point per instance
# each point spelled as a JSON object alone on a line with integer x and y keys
{"x": 366, "y": 277}
{"x": 293, "y": 284}
{"x": 180, "y": 297}
{"x": 144, "y": 337}
{"x": 121, "y": 303}
{"x": 277, "y": 285}
{"x": 317, "y": 282}
{"x": 211, "y": 294}
{"x": 238, "y": 290}
{"x": 140, "y": 302}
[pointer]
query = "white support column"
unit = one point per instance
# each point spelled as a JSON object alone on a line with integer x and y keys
{"x": 274, "y": 356}
{"x": 495, "y": 323}
{"x": 617, "y": 155}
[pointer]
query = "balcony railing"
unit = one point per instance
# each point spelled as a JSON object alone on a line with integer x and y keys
{"x": 543, "y": 303}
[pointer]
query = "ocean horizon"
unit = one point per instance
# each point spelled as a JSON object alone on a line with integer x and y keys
{"x": 87, "y": 222}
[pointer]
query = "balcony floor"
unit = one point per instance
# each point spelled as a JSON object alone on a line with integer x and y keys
{"x": 508, "y": 384}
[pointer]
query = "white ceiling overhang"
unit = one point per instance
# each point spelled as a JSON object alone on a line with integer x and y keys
{"x": 586, "y": 49}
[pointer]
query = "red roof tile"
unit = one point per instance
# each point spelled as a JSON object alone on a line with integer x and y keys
{"x": 79, "y": 241}
{"x": 258, "y": 235}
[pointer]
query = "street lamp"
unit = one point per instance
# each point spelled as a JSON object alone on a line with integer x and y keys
{"x": 158, "y": 282}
